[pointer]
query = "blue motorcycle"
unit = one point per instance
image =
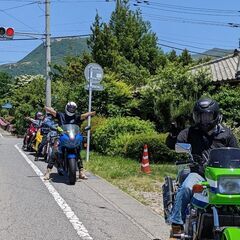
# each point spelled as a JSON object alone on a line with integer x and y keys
{"x": 70, "y": 146}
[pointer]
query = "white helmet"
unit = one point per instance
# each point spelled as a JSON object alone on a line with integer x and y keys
{"x": 70, "y": 108}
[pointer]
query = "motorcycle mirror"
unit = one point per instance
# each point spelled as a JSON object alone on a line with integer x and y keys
{"x": 183, "y": 147}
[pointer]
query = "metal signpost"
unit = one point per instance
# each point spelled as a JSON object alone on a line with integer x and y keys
{"x": 93, "y": 73}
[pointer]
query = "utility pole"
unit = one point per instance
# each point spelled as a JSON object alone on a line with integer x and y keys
{"x": 48, "y": 53}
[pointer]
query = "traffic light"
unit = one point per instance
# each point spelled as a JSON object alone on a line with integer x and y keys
{"x": 6, "y": 32}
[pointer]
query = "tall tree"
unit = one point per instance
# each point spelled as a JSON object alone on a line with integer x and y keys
{"x": 103, "y": 43}
{"x": 172, "y": 56}
{"x": 185, "y": 58}
{"x": 171, "y": 94}
{"x": 127, "y": 36}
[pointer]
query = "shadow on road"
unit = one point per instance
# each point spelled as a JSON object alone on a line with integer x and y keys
{"x": 56, "y": 178}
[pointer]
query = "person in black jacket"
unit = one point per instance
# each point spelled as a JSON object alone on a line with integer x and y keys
{"x": 207, "y": 133}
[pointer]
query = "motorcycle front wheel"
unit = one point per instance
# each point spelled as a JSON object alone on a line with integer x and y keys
{"x": 72, "y": 168}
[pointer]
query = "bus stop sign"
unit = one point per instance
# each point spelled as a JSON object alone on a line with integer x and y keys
{"x": 93, "y": 72}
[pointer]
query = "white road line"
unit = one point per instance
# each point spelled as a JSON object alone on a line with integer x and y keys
{"x": 73, "y": 219}
{"x": 1, "y": 136}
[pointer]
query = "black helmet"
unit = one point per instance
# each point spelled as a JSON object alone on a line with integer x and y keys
{"x": 206, "y": 114}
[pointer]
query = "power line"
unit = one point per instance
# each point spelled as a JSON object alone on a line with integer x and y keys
{"x": 192, "y": 13}
{"x": 184, "y": 45}
{"x": 234, "y": 11}
{"x": 191, "y": 21}
{"x": 14, "y": 51}
{"x": 72, "y": 36}
{"x": 87, "y": 35}
{"x": 27, "y": 4}
{"x": 40, "y": 37}
{"x": 194, "y": 42}
{"x": 16, "y": 1}
{"x": 168, "y": 46}
{"x": 16, "y": 19}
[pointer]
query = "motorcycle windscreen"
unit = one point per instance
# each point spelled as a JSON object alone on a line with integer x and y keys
{"x": 71, "y": 130}
{"x": 224, "y": 158}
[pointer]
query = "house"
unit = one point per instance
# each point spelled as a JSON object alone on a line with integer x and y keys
{"x": 222, "y": 70}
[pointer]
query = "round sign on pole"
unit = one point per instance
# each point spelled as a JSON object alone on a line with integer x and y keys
{"x": 93, "y": 72}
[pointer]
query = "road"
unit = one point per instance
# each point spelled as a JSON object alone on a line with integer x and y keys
{"x": 32, "y": 208}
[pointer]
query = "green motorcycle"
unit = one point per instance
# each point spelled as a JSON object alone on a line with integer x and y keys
{"x": 214, "y": 212}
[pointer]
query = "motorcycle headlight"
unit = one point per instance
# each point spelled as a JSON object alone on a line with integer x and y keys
{"x": 229, "y": 185}
{"x": 71, "y": 136}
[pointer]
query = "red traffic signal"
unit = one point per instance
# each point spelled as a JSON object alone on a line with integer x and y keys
{"x": 6, "y": 32}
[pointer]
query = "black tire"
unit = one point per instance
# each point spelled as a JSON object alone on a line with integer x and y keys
{"x": 49, "y": 154}
{"x": 45, "y": 151}
{"x": 72, "y": 168}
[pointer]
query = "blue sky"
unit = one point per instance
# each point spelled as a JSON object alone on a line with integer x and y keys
{"x": 194, "y": 24}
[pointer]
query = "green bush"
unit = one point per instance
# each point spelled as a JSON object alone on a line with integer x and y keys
{"x": 112, "y": 128}
{"x": 117, "y": 145}
{"x": 157, "y": 150}
{"x": 96, "y": 122}
{"x": 20, "y": 122}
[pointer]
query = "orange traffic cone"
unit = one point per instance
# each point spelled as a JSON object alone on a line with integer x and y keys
{"x": 145, "y": 167}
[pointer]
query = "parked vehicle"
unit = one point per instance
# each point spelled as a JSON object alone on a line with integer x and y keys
{"x": 214, "y": 212}
{"x": 29, "y": 137}
{"x": 51, "y": 146}
{"x": 70, "y": 146}
{"x": 37, "y": 140}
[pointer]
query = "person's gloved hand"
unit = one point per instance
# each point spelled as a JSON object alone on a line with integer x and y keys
{"x": 59, "y": 129}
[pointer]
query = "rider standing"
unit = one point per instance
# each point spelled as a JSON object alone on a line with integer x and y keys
{"x": 206, "y": 134}
{"x": 69, "y": 117}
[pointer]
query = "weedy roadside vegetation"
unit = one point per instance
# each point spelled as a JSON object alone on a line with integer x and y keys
{"x": 125, "y": 173}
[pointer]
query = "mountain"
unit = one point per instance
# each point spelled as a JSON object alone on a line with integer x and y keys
{"x": 214, "y": 53}
{"x": 34, "y": 62}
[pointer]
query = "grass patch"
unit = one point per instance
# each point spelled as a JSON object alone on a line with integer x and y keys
{"x": 126, "y": 174}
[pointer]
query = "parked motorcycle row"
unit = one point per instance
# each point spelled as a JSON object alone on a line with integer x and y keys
{"x": 59, "y": 145}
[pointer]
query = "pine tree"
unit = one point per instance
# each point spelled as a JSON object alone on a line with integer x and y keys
{"x": 172, "y": 56}
{"x": 103, "y": 43}
{"x": 185, "y": 58}
{"x": 126, "y": 36}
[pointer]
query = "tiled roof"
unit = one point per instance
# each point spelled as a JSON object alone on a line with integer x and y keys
{"x": 222, "y": 69}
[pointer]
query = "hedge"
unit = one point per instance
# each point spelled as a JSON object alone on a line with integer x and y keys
{"x": 106, "y": 136}
{"x": 157, "y": 149}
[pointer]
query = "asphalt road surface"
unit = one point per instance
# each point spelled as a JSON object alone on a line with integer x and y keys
{"x": 34, "y": 209}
